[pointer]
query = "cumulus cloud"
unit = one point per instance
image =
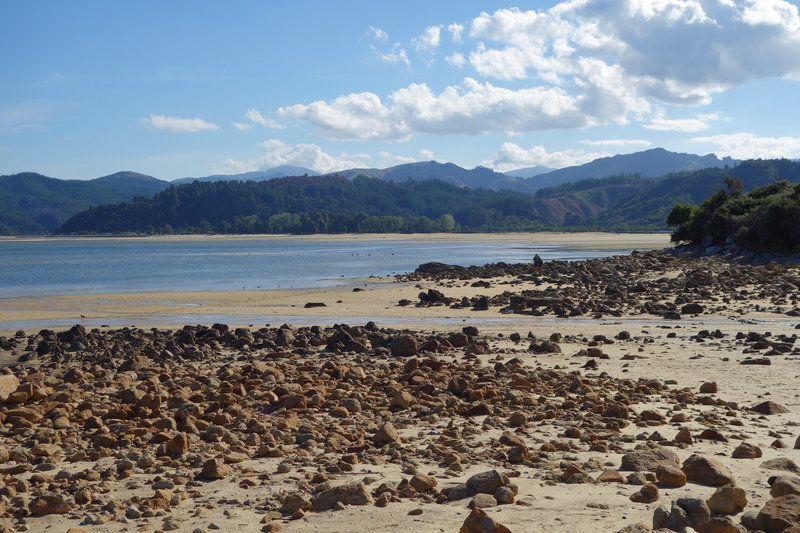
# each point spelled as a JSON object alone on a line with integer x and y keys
{"x": 456, "y": 59}
{"x": 617, "y": 142}
{"x": 686, "y": 125}
{"x": 396, "y": 56}
{"x": 304, "y": 155}
{"x": 426, "y": 155}
{"x": 512, "y": 156}
{"x": 177, "y": 124}
{"x": 750, "y": 146}
{"x": 455, "y": 30}
{"x": 429, "y": 39}
{"x": 242, "y": 127}
{"x": 471, "y": 108}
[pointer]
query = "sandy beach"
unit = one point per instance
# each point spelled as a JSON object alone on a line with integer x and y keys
{"x": 555, "y": 385}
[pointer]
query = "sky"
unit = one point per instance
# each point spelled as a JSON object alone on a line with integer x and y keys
{"x": 192, "y": 88}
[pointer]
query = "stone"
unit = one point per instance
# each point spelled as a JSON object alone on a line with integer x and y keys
{"x": 707, "y": 471}
{"x": 487, "y": 482}
{"x": 403, "y": 346}
{"x": 8, "y": 385}
{"x": 745, "y": 450}
{"x": 721, "y": 524}
{"x": 649, "y": 459}
{"x": 294, "y": 502}
{"x": 609, "y": 476}
{"x": 479, "y": 522}
{"x": 684, "y": 436}
{"x": 636, "y": 528}
{"x": 783, "y": 485}
{"x": 49, "y": 504}
{"x": 670, "y": 476}
{"x": 422, "y": 482}
{"x": 647, "y": 494}
{"x": 781, "y": 463}
{"x": 727, "y": 500}
{"x": 697, "y": 511}
{"x": 671, "y": 518}
{"x": 709, "y": 387}
{"x": 483, "y": 501}
{"x": 779, "y": 514}
{"x": 178, "y": 445}
{"x": 353, "y": 493}
{"x": 215, "y": 469}
{"x": 402, "y": 400}
{"x": 386, "y": 434}
{"x": 769, "y": 408}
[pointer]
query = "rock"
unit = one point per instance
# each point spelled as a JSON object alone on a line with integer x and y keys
{"x": 215, "y": 469}
{"x": 402, "y": 400}
{"x": 483, "y": 501}
{"x": 779, "y": 514}
{"x": 727, "y": 500}
{"x": 707, "y": 471}
{"x": 647, "y": 494}
{"x": 649, "y": 459}
{"x": 422, "y": 482}
{"x": 487, "y": 482}
{"x": 781, "y": 463}
{"x": 720, "y": 524}
{"x": 8, "y": 385}
{"x": 709, "y": 387}
{"x": 609, "y": 476}
{"x": 769, "y": 408}
{"x": 178, "y": 445}
{"x": 636, "y": 528}
{"x": 671, "y": 519}
{"x": 354, "y": 493}
{"x": 670, "y": 476}
{"x": 697, "y": 512}
{"x": 294, "y": 502}
{"x": 479, "y": 522}
{"x": 783, "y": 485}
{"x": 684, "y": 436}
{"x": 386, "y": 434}
{"x": 49, "y": 504}
{"x": 745, "y": 450}
{"x": 403, "y": 346}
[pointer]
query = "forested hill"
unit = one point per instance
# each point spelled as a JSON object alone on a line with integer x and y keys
{"x": 333, "y": 204}
{"x": 322, "y": 205}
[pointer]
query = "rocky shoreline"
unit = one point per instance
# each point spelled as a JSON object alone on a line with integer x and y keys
{"x": 306, "y": 428}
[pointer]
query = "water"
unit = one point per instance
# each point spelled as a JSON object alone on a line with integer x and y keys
{"x": 34, "y": 268}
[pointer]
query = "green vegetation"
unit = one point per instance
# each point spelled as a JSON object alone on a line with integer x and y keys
{"x": 313, "y": 205}
{"x": 767, "y": 219}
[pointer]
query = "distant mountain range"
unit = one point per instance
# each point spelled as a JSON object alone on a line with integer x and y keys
{"x": 34, "y": 204}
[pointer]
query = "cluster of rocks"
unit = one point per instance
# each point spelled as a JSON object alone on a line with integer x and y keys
{"x": 169, "y": 412}
{"x": 661, "y": 283}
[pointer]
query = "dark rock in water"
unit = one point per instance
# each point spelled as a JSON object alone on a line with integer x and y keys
{"x": 437, "y": 268}
{"x": 314, "y": 304}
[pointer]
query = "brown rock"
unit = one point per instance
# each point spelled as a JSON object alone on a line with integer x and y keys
{"x": 482, "y": 501}
{"x": 402, "y": 399}
{"x": 422, "y": 482}
{"x": 769, "y": 408}
{"x": 720, "y": 524}
{"x": 386, "y": 434}
{"x": 781, "y": 463}
{"x": 354, "y": 493}
{"x": 403, "y": 346}
{"x": 783, "y": 485}
{"x": 178, "y": 445}
{"x": 727, "y": 500}
{"x": 709, "y": 387}
{"x": 670, "y": 476}
{"x": 215, "y": 469}
{"x": 745, "y": 450}
{"x": 8, "y": 385}
{"x": 647, "y": 494}
{"x": 49, "y": 504}
{"x": 779, "y": 514}
{"x": 479, "y": 522}
{"x": 707, "y": 471}
{"x": 609, "y": 476}
{"x": 649, "y": 459}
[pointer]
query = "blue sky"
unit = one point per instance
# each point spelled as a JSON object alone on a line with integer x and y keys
{"x": 176, "y": 89}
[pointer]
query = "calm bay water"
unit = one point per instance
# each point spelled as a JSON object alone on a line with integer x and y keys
{"x": 89, "y": 266}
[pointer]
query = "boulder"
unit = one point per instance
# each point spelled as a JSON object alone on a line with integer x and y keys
{"x": 215, "y": 469}
{"x": 727, "y": 500}
{"x": 386, "y": 434}
{"x": 354, "y": 493}
{"x": 487, "y": 482}
{"x": 479, "y": 522}
{"x": 403, "y": 346}
{"x": 649, "y": 459}
{"x": 769, "y": 408}
{"x": 779, "y": 514}
{"x": 8, "y": 384}
{"x": 49, "y": 504}
{"x": 707, "y": 471}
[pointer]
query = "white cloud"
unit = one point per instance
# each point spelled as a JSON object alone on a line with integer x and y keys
{"x": 429, "y": 39}
{"x": 304, "y": 155}
{"x": 687, "y": 125}
{"x": 426, "y": 155}
{"x": 750, "y": 146}
{"x": 395, "y": 57}
{"x": 455, "y": 30}
{"x": 512, "y": 156}
{"x": 456, "y": 59}
{"x": 254, "y": 115}
{"x": 617, "y": 142}
{"x": 378, "y": 34}
{"x": 242, "y": 127}
{"x": 190, "y": 125}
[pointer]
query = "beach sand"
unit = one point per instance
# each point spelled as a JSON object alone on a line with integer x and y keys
{"x": 676, "y": 353}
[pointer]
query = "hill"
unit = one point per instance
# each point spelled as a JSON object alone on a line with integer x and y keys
{"x": 528, "y": 172}
{"x": 258, "y": 175}
{"x": 129, "y": 184}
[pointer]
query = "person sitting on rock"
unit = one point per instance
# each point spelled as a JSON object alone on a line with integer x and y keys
{"x": 537, "y": 263}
